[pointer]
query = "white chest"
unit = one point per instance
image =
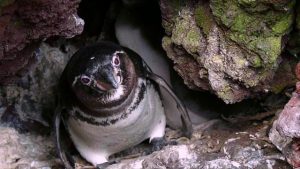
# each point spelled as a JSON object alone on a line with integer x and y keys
{"x": 95, "y": 142}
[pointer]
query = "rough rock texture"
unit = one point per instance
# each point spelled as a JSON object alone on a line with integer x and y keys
{"x": 215, "y": 144}
{"x": 29, "y": 105}
{"x": 24, "y": 151}
{"x": 220, "y": 146}
{"x": 288, "y": 121}
{"x": 231, "y": 48}
{"x": 285, "y": 133}
{"x": 287, "y": 145}
{"x": 24, "y": 23}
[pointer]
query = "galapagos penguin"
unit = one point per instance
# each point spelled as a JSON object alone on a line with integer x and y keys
{"x": 110, "y": 101}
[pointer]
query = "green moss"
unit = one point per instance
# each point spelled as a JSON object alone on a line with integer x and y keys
{"x": 192, "y": 39}
{"x": 224, "y": 15}
{"x": 268, "y": 48}
{"x": 186, "y": 33}
{"x": 251, "y": 3}
{"x": 271, "y": 47}
{"x": 241, "y": 23}
{"x": 255, "y": 61}
{"x": 234, "y": 16}
{"x": 283, "y": 25}
{"x": 204, "y": 19}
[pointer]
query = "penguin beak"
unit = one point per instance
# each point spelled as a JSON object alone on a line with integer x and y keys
{"x": 108, "y": 79}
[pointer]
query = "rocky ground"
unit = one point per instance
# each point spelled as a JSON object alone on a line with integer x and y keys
{"x": 215, "y": 144}
{"x": 27, "y": 140}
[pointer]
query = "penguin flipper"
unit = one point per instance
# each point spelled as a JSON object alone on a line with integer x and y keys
{"x": 60, "y": 150}
{"x": 187, "y": 127}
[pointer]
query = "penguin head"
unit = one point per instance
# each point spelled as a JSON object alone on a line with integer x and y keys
{"x": 102, "y": 75}
{"x": 99, "y": 74}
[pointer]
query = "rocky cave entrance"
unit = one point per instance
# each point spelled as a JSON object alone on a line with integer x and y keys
{"x": 231, "y": 62}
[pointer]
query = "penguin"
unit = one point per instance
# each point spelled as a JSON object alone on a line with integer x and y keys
{"x": 134, "y": 27}
{"x": 110, "y": 101}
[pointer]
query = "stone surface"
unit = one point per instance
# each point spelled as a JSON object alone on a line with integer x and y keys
{"x": 215, "y": 144}
{"x": 220, "y": 145}
{"x": 27, "y": 108}
{"x": 25, "y": 23}
{"x": 231, "y": 48}
{"x": 29, "y": 105}
{"x": 285, "y": 132}
{"x": 23, "y": 151}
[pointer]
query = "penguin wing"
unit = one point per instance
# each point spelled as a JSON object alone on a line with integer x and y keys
{"x": 187, "y": 128}
{"x": 61, "y": 151}
{"x": 145, "y": 71}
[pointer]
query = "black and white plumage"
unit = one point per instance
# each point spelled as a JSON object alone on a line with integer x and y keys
{"x": 110, "y": 102}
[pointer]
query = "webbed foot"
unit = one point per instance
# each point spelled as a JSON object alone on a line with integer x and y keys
{"x": 159, "y": 143}
{"x": 106, "y": 164}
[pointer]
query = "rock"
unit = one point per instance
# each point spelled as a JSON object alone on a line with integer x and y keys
{"x": 215, "y": 144}
{"x": 220, "y": 145}
{"x": 23, "y": 151}
{"x": 287, "y": 145}
{"x": 29, "y": 105}
{"x": 231, "y": 48}
{"x": 288, "y": 121}
{"x": 285, "y": 131}
{"x": 25, "y": 23}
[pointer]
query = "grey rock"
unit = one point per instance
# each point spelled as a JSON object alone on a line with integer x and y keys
{"x": 24, "y": 151}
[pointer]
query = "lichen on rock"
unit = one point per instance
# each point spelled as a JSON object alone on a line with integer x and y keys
{"x": 237, "y": 44}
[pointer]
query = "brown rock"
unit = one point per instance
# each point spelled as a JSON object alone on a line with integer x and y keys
{"x": 297, "y": 71}
{"x": 23, "y": 23}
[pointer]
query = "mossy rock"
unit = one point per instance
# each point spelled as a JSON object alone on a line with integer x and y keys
{"x": 204, "y": 18}
{"x": 186, "y": 33}
{"x": 233, "y": 16}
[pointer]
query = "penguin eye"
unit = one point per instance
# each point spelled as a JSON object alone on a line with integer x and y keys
{"x": 115, "y": 61}
{"x": 85, "y": 80}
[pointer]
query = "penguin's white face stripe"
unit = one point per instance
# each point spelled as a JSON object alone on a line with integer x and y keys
{"x": 115, "y": 94}
{"x": 75, "y": 80}
{"x": 117, "y": 52}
